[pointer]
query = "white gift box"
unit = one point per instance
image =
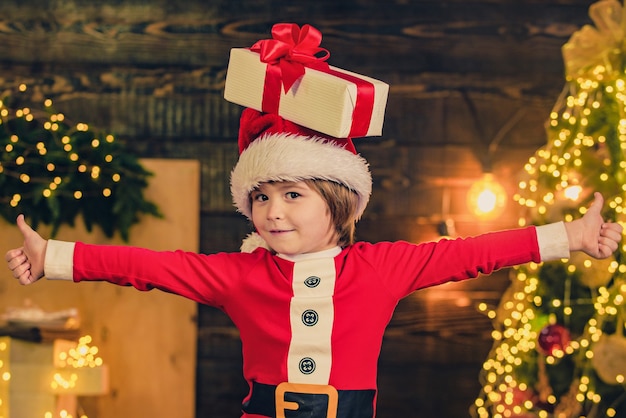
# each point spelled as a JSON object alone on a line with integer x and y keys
{"x": 319, "y": 101}
{"x": 27, "y": 373}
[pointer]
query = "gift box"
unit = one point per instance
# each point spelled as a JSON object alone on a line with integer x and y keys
{"x": 329, "y": 100}
{"x": 33, "y": 385}
{"x": 25, "y": 372}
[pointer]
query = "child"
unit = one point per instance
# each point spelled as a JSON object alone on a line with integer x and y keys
{"x": 311, "y": 305}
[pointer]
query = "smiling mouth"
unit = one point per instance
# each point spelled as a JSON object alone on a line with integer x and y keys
{"x": 280, "y": 231}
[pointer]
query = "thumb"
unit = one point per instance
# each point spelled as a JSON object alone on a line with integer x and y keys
{"x": 24, "y": 228}
{"x": 598, "y": 202}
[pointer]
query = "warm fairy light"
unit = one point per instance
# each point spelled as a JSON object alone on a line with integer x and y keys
{"x": 15, "y": 200}
{"x": 573, "y": 192}
{"x": 83, "y": 355}
{"x": 518, "y": 338}
{"x": 60, "y": 382}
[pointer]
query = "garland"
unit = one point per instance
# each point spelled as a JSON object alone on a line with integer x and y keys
{"x": 52, "y": 171}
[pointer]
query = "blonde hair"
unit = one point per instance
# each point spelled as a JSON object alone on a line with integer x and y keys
{"x": 342, "y": 204}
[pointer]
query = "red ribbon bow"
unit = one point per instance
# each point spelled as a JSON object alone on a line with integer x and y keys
{"x": 292, "y": 49}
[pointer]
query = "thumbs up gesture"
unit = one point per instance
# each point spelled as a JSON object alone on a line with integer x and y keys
{"x": 591, "y": 234}
{"x": 26, "y": 263}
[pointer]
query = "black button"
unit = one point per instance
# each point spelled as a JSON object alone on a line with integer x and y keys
{"x": 312, "y": 281}
{"x": 309, "y": 317}
{"x": 307, "y": 365}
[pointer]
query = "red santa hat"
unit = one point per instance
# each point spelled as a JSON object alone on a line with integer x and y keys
{"x": 274, "y": 149}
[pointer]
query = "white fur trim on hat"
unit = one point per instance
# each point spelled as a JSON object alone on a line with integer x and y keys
{"x": 289, "y": 157}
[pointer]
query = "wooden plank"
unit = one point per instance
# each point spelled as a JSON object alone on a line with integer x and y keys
{"x": 136, "y": 103}
{"x": 485, "y": 36}
{"x": 414, "y": 178}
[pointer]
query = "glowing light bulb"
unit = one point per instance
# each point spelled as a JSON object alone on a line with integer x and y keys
{"x": 486, "y": 198}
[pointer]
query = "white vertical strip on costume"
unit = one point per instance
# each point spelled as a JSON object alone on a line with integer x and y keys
{"x": 312, "y": 316}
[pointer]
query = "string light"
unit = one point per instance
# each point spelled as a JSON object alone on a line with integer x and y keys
{"x": 52, "y": 170}
{"x": 82, "y": 355}
{"x": 557, "y": 181}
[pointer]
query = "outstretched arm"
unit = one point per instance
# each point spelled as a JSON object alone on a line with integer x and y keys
{"x": 27, "y": 262}
{"x": 591, "y": 234}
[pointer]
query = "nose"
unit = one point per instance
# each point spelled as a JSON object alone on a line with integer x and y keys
{"x": 275, "y": 209}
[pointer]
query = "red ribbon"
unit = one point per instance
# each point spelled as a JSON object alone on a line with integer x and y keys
{"x": 363, "y": 106}
{"x": 290, "y": 50}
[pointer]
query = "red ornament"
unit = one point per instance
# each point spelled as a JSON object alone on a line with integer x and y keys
{"x": 552, "y": 338}
{"x": 517, "y": 397}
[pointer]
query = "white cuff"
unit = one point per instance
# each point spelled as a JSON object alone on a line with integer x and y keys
{"x": 59, "y": 261}
{"x": 553, "y": 242}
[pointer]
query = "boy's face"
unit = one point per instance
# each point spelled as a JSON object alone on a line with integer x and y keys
{"x": 292, "y": 218}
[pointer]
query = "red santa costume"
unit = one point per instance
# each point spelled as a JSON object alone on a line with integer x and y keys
{"x": 311, "y": 325}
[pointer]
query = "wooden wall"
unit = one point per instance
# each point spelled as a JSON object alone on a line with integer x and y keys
{"x": 472, "y": 83}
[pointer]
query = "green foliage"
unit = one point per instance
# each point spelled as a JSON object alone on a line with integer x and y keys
{"x": 555, "y": 283}
{"x": 52, "y": 171}
{"x": 560, "y": 375}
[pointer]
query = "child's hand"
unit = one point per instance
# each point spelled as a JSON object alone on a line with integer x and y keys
{"x": 591, "y": 235}
{"x": 27, "y": 262}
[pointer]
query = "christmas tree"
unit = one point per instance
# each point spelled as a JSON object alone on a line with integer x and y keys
{"x": 559, "y": 346}
{"x": 53, "y": 170}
